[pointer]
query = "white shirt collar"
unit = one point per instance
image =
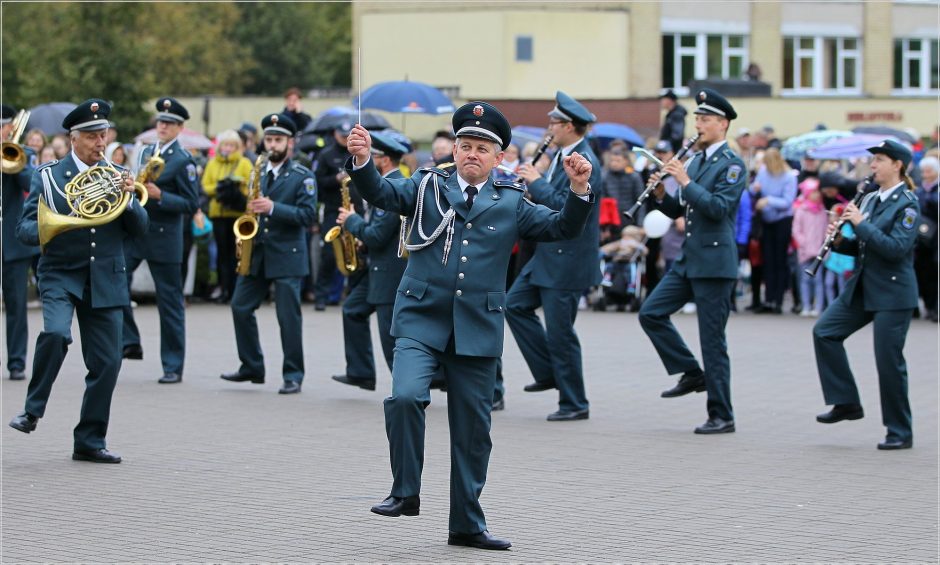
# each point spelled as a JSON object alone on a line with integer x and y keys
{"x": 713, "y": 148}
{"x": 463, "y": 184}
{"x": 565, "y": 151}
{"x": 276, "y": 168}
{"x": 167, "y": 145}
{"x": 82, "y": 167}
{"x": 884, "y": 194}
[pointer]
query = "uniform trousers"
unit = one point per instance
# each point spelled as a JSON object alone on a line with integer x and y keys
{"x": 15, "y": 280}
{"x": 470, "y": 383}
{"x": 101, "y": 348}
{"x": 552, "y": 352}
{"x": 712, "y": 302}
{"x": 250, "y": 292}
{"x": 842, "y": 319}
{"x": 168, "y": 283}
{"x": 357, "y": 337}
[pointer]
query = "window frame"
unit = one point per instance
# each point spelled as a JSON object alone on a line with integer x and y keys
{"x": 817, "y": 54}
{"x": 929, "y": 46}
{"x": 699, "y": 54}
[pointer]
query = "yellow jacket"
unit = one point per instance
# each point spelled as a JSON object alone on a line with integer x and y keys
{"x": 235, "y": 165}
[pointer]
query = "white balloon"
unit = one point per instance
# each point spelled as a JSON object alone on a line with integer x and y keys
{"x": 656, "y": 224}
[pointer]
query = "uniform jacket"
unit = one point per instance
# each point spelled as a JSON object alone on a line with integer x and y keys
{"x": 92, "y": 256}
{"x": 711, "y": 205}
{"x": 466, "y": 297}
{"x": 235, "y": 165}
{"x": 380, "y": 234}
{"x": 571, "y": 264}
{"x": 180, "y": 197}
{"x": 280, "y": 248}
{"x": 884, "y": 245}
{"x": 15, "y": 188}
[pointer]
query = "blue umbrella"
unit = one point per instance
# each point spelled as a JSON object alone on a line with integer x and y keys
{"x": 853, "y": 147}
{"x": 610, "y": 131}
{"x": 405, "y": 96}
{"x": 48, "y": 117}
{"x": 524, "y": 134}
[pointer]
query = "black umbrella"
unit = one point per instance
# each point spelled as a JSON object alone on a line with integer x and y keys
{"x": 334, "y": 117}
{"x": 48, "y": 117}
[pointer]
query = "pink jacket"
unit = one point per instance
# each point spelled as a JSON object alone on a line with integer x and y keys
{"x": 809, "y": 231}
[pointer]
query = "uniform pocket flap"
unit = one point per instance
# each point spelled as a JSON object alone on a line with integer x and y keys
{"x": 495, "y": 301}
{"x": 412, "y": 287}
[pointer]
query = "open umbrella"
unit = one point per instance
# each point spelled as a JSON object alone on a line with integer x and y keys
{"x": 48, "y": 117}
{"x": 525, "y": 134}
{"x": 188, "y": 138}
{"x": 796, "y": 147}
{"x": 331, "y": 119}
{"x": 404, "y": 96}
{"x": 852, "y": 147}
{"x": 885, "y": 131}
{"x": 608, "y": 131}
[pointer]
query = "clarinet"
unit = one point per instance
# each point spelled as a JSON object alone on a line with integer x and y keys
{"x": 827, "y": 245}
{"x": 538, "y": 154}
{"x": 652, "y": 183}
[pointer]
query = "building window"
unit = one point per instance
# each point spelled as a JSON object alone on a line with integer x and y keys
{"x": 524, "y": 48}
{"x": 822, "y": 65}
{"x": 697, "y": 56}
{"x": 916, "y": 66}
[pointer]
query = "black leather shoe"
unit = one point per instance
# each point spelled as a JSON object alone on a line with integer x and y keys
{"x": 289, "y": 387}
{"x": 539, "y": 386}
{"x": 320, "y": 306}
{"x": 499, "y": 405}
{"x": 134, "y": 351}
{"x": 482, "y": 540}
{"x": 716, "y": 426}
{"x": 693, "y": 381}
{"x": 568, "y": 415}
{"x": 890, "y": 444}
{"x": 237, "y": 377}
{"x": 96, "y": 456}
{"x": 398, "y": 506}
{"x": 367, "y": 384}
{"x": 24, "y": 422}
{"x": 439, "y": 384}
{"x": 17, "y": 375}
{"x": 841, "y": 412}
{"x": 170, "y": 378}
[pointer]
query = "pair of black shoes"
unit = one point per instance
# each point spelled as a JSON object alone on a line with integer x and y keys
{"x": 26, "y": 422}
{"x": 366, "y": 384}
{"x": 842, "y": 412}
{"x": 395, "y": 506}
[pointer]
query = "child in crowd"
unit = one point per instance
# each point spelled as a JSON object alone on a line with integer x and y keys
{"x": 810, "y": 220}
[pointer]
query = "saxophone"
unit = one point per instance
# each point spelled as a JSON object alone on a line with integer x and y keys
{"x": 344, "y": 244}
{"x": 152, "y": 169}
{"x": 246, "y": 226}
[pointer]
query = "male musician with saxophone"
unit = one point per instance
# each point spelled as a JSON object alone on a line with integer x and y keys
{"x": 460, "y": 231}
{"x": 174, "y": 195}
{"x": 374, "y": 288}
{"x": 82, "y": 271}
{"x": 16, "y": 173}
{"x": 882, "y": 291}
{"x": 558, "y": 274}
{"x": 285, "y": 207}
{"x": 705, "y": 272}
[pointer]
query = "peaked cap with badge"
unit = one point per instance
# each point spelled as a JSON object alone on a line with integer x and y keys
{"x": 170, "y": 110}
{"x": 278, "y": 124}
{"x": 90, "y": 115}
{"x": 710, "y": 102}
{"x": 484, "y": 121}
{"x": 570, "y": 110}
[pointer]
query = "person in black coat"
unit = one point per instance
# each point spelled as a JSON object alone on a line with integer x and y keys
{"x": 673, "y": 128}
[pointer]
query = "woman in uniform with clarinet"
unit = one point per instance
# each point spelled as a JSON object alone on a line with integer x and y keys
{"x": 882, "y": 290}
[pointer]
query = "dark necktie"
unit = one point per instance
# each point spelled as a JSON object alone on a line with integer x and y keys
{"x": 876, "y": 200}
{"x": 471, "y": 194}
{"x": 269, "y": 180}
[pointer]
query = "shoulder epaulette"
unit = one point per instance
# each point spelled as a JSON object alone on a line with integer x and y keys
{"x": 436, "y": 170}
{"x": 509, "y": 184}
{"x": 910, "y": 195}
{"x": 47, "y": 165}
{"x": 300, "y": 168}
{"x": 727, "y": 152}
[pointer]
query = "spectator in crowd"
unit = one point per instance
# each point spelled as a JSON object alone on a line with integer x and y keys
{"x": 61, "y": 146}
{"x": 115, "y": 153}
{"x": 746, "y": 149}
{"x": 249, "y": 135}
{"x": 753, "y": 72}
{"x": 35, "y": 140}
{"x": 742, "y": 236}
{"x": 925, "y": 252}
{"x": 672, "y": 243}
{"x": 621, "y": 183}
{"x": 809, "y": 167}
{"x": 775, "y": 189}
{"x": 442, "y": 149}
{"x": 47, "y": 155}
{"x": 768, "y": 138}
{"x": 293, "y": 109}
{"x": 810, "y": 220}
{"x": 510, "y": 162}
{"x": 673, "y": 129}
{"x": 225, "y": 182}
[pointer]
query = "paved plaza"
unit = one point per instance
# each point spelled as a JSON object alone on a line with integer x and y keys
{"x": 222, "y": 472}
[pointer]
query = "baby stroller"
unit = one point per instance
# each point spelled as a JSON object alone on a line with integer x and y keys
{"x": 624, "y": 273}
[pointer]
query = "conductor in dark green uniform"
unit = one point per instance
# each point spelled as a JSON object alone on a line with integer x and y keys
{"x": 285, "y": 209}
{"x": 173, "y": 196}
{"x": 449, "y": 312}
{"x": 882, "y": 291}
{"x": 558, "y": 273}
{"x": 375, "y": 288}
{"x": 708, "y": 197}
{"x": 81, "y": 271}
{"x": 16, "y": 257}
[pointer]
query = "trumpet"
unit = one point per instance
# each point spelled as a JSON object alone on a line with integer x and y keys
{"x": 12, "y": 154}
{"x": 867, "y": 189}
{"x": 653, "y": 182}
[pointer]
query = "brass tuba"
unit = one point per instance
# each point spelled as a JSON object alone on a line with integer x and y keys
{"x": 95, "y": 196}
{"x": 12, "y": 154}
{"x": 344, "y": 244}
{"x": 246, "y": 226}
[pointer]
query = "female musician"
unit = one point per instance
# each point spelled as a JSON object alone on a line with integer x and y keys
{"x": 882, "y": 290}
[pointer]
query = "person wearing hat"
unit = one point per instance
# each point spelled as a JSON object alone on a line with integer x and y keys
{"x": 374, "y": 288}
{"x": 710, "y": 187}
{"x": 16, "y": 257}
{"x": 673, "y": 129}
{"x": 558, "y": 273}
{"x": 450, "y": 304}
{"x": 881, "y": 291}
{"x": 330, "y": 175}
{"x": 285, "y": 209}
{"x": 173, "y": 197}
{"x": 81, "y": 271}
